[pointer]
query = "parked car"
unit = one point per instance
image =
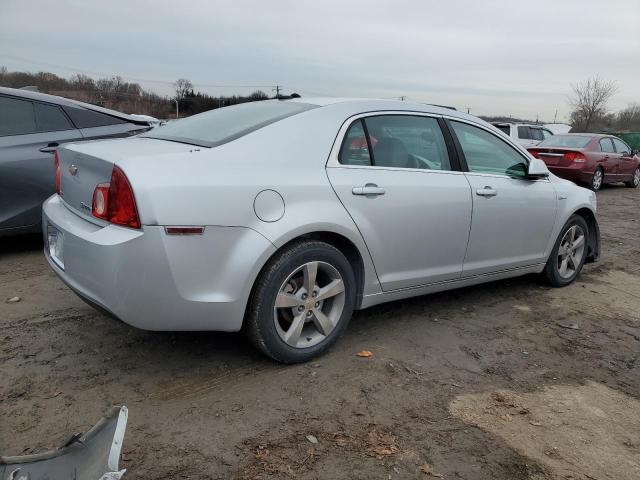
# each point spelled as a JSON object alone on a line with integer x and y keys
{"x": 280, "y": 217}
{"x": 592, "y": 159}
{"x": 526, "y": 134}
{"x": 32, "y": 125}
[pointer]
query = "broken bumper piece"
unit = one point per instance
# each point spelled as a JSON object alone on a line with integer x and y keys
{"x": 91, "y": 456}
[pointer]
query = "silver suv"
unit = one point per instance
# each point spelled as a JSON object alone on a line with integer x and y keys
{"x": 526, "y": 134}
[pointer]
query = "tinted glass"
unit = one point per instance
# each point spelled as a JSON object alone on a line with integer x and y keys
{"x": 571, "y": 141}
{"x": 405, "y": 141}
{"x": 354, "y": 149}
{"x": 524, "y": 133}
{"x": 222, "y": 125}
{"x": 50, "y": 118}
{"x": 84, "y": 118}
{"x": 621, "y": 146}
{"x": 536, "y": 133}
{"x": 504, "y": 129}
{"x": 606, "y": 145}
{"x": 546, "y": 133}
{"x": 486, "y": 153}
{"x": 16, "y": 117}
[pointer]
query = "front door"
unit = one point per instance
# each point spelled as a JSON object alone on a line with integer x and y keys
{"x": 394, "y": 177}
{"x": 513, "y": 216}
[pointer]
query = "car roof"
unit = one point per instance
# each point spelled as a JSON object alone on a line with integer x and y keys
{"x": 360, "y": 105}
{"x": 44, "y": 97}
{"x": 519, "y": 124}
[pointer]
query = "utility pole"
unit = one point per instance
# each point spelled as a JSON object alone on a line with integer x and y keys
{"x": 468, "y": 109}
{"x": 277, "y": 90}
{"x": 403, "y": 97}
{"x": 555, "y": 116}
{"x": 177, "y": 110}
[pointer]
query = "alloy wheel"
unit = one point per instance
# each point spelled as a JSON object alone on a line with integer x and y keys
{"x": 636, "y": 177}
{"x": 571, "y": 251}
{"x": 596, "y": 182}
{"x": 309, "y": 304}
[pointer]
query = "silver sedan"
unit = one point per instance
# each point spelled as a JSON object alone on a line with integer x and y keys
{"x": 282, "y": 217}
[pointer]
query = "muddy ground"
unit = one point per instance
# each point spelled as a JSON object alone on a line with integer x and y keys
{"x": 489, "y": 382}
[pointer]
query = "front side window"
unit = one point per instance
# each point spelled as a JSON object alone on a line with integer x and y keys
{"x": 536, "y": 134}
{"x": 16, "y": 117}
{"x": 524, "y": 133}
{"x": 606, "y": 146}
{"x": 50, "y": 118}
{"x": 546, "y": 133}
{"x": 486, "y": 153}
{"x": 621, "y": 147}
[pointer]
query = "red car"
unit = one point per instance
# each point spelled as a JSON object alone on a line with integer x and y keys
{"x": 590, "y": 158}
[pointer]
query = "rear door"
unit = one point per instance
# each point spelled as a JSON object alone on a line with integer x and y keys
{"x": 29, "y": 132}
{"x": 626, "y": 162}
{"x": 513, "y": 216}
{"x": 609, "y": 160}
{"x": 394, "y": 176}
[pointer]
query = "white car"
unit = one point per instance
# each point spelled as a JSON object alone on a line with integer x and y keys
{"x": 526, "y": 134}
{"x": 282, "y": 217}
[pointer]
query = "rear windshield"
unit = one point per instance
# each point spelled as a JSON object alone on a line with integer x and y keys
{"x": 223, "y": 125}
{"x": 504, "y": 129}
{"x": 570, "y": 141}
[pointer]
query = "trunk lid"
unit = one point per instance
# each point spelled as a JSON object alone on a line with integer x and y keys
{"x": 85, "y": 165}
{"x": 555, "y": 156}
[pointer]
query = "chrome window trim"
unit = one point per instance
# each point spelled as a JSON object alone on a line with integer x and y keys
{"x": 334, "y": 162}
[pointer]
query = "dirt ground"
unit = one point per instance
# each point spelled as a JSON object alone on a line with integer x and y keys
{"x": 510, "y": 380}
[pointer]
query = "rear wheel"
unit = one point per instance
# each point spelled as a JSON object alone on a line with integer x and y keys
{"x": 597, "y": 179}
{"x": 569, "y": 253}
{"x": 302, "y": 302}
{"x": 635, "y": 180}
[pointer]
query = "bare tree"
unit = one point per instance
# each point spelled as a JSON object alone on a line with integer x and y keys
{"x": 182, "y": 86}
{"x": 589, "y": 101}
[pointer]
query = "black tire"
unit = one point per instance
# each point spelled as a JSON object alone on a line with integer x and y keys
{"x": 259, "y": 323}
{"x": 593, "y": 185}
{"x": 635, "y": 180}
{"x": 551, "y": 272}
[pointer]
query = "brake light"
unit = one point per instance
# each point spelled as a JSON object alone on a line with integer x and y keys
{"x": 114, "y": 201}
{"x": 58, "y": 173}
{"x": 535, "y": 153}
{"x": 575, "y": 157}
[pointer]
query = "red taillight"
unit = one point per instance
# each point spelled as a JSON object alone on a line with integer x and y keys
{"x": 534, "y": 153}
{"x": 58, "y": 174}
{"x": 575, "y": 157}
{"x": 114, "y": 201}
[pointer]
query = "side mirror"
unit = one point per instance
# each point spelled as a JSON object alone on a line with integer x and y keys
{"x": 537, "y": 169}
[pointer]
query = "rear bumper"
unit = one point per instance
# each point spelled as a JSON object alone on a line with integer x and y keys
{"x": 573, "y": 173}
{"x": 155, "y": 281}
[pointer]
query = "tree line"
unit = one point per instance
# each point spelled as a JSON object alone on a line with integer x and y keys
{"x": 129, "y": 97}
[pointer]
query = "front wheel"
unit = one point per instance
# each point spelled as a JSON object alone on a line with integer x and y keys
{"x": 302, "y": 302}
{"x": 569, "y": 253}
{"x": 635, "y": 180}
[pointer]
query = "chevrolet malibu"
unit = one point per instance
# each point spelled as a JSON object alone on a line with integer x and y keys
{"x": 282, "y": 217}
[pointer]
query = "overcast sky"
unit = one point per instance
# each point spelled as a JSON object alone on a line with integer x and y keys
{"x": 494, "y": 57}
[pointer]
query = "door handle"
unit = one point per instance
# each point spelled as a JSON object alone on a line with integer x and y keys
{"x": 369, "y": 190}
{"x": 487, "y": 191}
{"x": 49, "y": 148}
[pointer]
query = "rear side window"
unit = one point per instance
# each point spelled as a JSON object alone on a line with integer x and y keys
{"x": 84, "y": 118}
{"x": 621, "y": 147}
{"x": 50, "y": 118}
{"x": 486, "y": 153}
{"x": 536, "y": 134}
{"x": 524, "y": 133}
{"x": 17, "y": 117}
{"x": 606, "y": 146}
{"x": 355, "y": 150}
{"x": 504, "y": 129}
{"x": 223, "y": 125}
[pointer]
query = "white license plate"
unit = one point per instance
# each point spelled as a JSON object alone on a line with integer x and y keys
{"x": 55, "y": 245}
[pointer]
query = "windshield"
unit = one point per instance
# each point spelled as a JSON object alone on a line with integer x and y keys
{"x": 570, "y": 141}
{"x": 222, "y": 125}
